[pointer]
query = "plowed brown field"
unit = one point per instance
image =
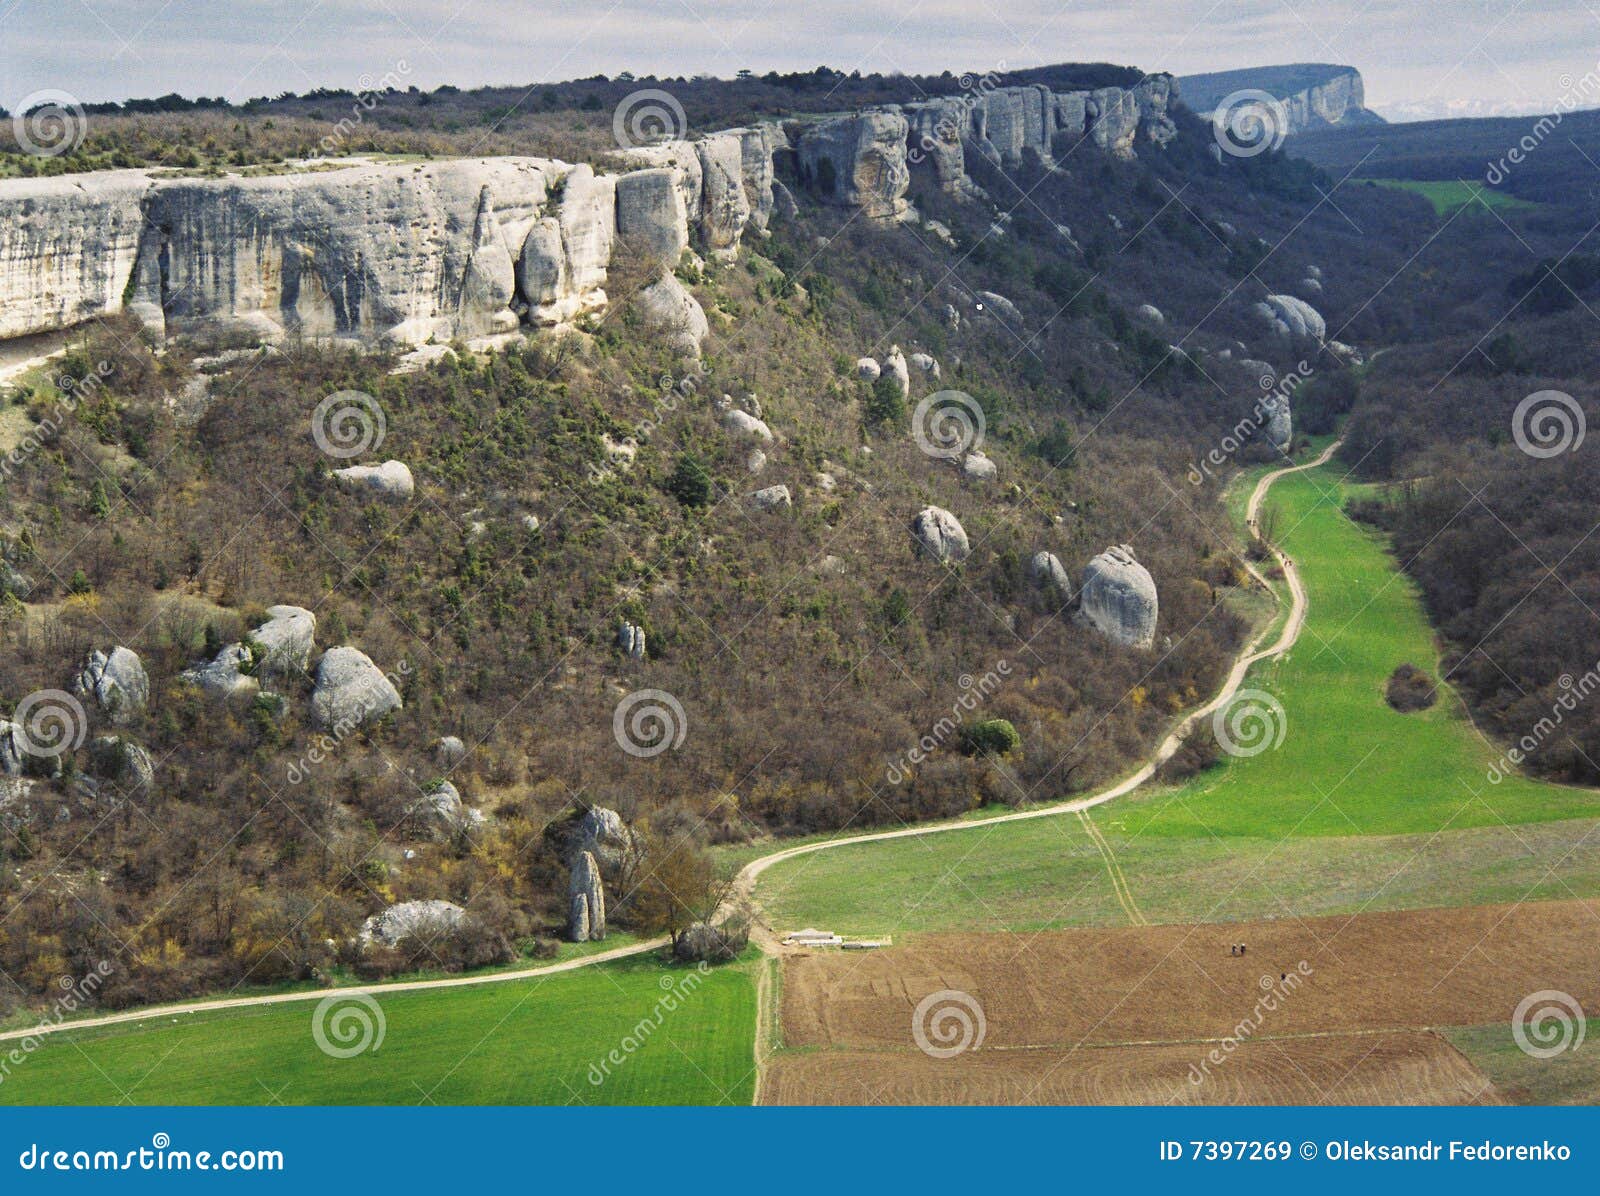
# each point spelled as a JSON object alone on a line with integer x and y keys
{"x": 1123, "y": 1015}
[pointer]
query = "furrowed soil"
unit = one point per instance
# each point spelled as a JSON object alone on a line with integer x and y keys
{"x": 1147, "y": 1013}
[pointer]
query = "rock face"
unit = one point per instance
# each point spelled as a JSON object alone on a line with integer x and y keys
{"x": 426, "y": 920}
{"x": 1119, "y": 598}
{"x": 1314, "y": 95}
{"x": 1046, "y": 571}
{"x": 939, "y": 534}
{"x": 67, "y": 247}
{"x": 286, "y": 641}
{"x": 117, "y": 682}
{"x": 449, "y": 751}
{"x": 977, "y": 467}
{"x": 1007, "y": 126}
{"x": 390, "y": 481}
{"x": 351, "y": 691}
{"x": 1292, "y": 318}
{"x": 586, "y": 901}
{"x": 858, "y": 161}
{"x": 669, "y": 311}
{"x": 652, "y": 224}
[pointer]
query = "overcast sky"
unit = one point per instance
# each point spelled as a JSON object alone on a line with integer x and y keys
{"x": 1511, "y": 55}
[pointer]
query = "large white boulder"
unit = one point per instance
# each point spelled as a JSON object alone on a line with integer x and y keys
{"x": 938, "y": 534}
{"x": 351, "y": 691}
{"x": 286, "y": 640}
{"x": 426, "y": 920}
{"x": 1292, "y": 318}
{"x": 117, "y": 682}
{"x": 390, "y": 481}
{"x": 667, "y": 310}
{"x": 1119, "y": 598}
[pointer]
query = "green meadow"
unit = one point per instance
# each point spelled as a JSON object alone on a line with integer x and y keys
{"x": 682, "y": 1038}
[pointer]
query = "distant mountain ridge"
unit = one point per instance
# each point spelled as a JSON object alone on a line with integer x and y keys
{"x": 1315, "y": 95}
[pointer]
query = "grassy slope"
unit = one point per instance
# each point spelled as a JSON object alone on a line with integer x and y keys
{"x": 1346, "y": 814}
{"x": 1569, "y": 1078}
{"x": 518, "y": 1042}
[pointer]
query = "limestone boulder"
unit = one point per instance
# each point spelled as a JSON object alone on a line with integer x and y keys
{"x": 744, "y": 424}
{"x": 229, "y": 674}
{"x": 770, "y": 499}
{"x": 285, "y": 641}
{"x": 440, "y": 810}
{"x": 667, "y": 310}
{"x": 1292, "y": 318}
{"x": 867, "y": 369}
{"x": 895, "y": 366}
{"x": 428, "y": 921}
{"x": 390, "y": 481}
{"x": 586, "y": 900}
{"x": 938, "y": 534}
{"x": 1118, "y": 598}
{"x": 630, "y": 641}
{"x": 1047, "y": 572}
{"x": 351, "y": 691}
{"x": 123, "y": 767}
{"x": 117, "y": 683}
{"x": 652, "y": 225}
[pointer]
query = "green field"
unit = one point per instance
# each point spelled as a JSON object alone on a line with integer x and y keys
{"x": 1571, "y": 1077}
{"x": 1446, "y": 195}
{"x": 536, "y": 1042}
{"x": 1359, "y": 804}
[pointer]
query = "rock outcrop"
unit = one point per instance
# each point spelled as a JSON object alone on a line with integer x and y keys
{"x": 1292, "y": 318}
{"x": 1047, "y": 572}
{"x": 630, "y": 641}
{"x": 1313, "y": 95}
{"x": 425, "y": 920}
{"x": 772, "y": 498}
{"x": 938, "y": 534}
{"x": 667, "y": 310}
{"x": 1278, "y": 424}
{"x": 226, "y": 675}
{"x": 285, "y": 641}
{"x": 116, "y": 681}
{"x": 1118, "y": 598}
{"x": 390, "y": 481}
{"x": 351, "y": 691}
{"x": 602, "y": 833}
{"x": 121, "y": 766}
{"x": 858, "y": 161}
{"x": 586, "y": 900}
{"x": 440, "y": 809}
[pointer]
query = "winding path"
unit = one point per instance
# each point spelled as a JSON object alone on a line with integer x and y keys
{"x": 746, "y": 881}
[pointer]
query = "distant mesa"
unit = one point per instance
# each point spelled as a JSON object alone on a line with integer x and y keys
{"x": 1315, "y": 95}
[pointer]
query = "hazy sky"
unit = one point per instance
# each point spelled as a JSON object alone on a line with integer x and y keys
{"x": 1525, "y": 55}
